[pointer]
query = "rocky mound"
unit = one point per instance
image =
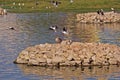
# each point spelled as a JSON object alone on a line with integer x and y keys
{"x": 107, "y": 17}
{"x": 70, "y": 54}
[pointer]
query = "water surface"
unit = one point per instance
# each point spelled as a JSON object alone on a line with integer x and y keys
{"x": 33, "y": 28}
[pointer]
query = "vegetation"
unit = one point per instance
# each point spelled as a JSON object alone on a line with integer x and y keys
{"x": 64, "y": 6}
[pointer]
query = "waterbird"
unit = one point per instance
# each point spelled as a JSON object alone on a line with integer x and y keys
{"x": 113, "y": 10}
{"x": 102, "y": 12}
{"x": 58, "y": 40}
{"x": 11, "y": 28}
{"x": 98, "y": 11}
{"x": 65, "y": 31}
{"x": 54, "y": 28}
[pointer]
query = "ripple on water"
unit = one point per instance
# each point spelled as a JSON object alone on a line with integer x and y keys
{"x": 33, "y": 28}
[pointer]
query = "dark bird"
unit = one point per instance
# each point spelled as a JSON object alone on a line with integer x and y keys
{"x": 102, "y": 12}
{"x": 98, "y": 12}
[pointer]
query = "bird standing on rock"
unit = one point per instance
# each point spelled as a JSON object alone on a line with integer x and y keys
{"x": 58, "y": 40}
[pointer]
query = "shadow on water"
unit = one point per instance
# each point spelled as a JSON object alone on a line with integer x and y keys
{"x": 33, "y": 28}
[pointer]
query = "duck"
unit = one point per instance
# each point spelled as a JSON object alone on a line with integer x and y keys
{"x": 11, "y": 28}
{"x": 54, "y": 28}
{"x": 64, "y": 31}
{"x": 58, "y": 40}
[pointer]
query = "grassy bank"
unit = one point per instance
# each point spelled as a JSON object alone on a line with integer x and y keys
{"x": 65, "y": 6}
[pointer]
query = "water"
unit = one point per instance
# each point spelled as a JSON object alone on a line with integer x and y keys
{"x": 33, "y": 28}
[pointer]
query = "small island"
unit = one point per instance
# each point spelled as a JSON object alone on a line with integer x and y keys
{"x": 97, "y": 17}
{"x": 69, "y": 53}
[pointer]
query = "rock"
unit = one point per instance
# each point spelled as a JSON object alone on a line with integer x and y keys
{"x": 58, "y": 59}
{"x": 73, "y": 54}
{"x": 49, "y": 61}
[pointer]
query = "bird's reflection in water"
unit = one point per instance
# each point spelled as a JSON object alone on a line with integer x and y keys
{"x": 68, "y": 73}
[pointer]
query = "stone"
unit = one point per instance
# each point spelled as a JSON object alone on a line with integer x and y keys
{"x": 58, "y": 59}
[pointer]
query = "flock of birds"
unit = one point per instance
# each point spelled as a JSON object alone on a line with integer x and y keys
{"x": 64, "y": 29}
{"x": 53, "y": 28}
{"x": 64, "y": 32}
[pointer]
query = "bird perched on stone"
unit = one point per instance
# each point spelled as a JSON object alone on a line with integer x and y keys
{"x": 102, "y": 12}
{"x": 98, "y": 12}
{"x": 113, "y": 10}
{"x": 58, "y": 40}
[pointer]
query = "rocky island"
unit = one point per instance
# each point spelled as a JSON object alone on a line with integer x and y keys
{"x": 94, "y": 17}
{"x": 70, "y": 54}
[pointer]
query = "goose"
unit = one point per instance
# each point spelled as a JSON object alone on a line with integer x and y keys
{"x": 11, "y": 28}
{"x": 64, "y": 31}
{"x": 102, "y": 12}
{"x": 58, "y": 40}
{"x": 54, "y": 28}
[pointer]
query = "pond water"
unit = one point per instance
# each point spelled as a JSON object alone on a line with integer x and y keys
{"x": 33, "y": 28}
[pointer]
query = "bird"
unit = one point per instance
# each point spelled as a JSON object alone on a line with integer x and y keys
{"x": 58, "y": 40}
{"x": 113, "y": 10}
{"x": 11, "y": 28}
{"x": 65, "y": 31}
{"x": 102, "y": 12}
{"x": 54, "y": 28}
{"x": 98, "y": 12}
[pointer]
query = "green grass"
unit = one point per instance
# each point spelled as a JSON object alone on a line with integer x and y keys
{"x": 65, "y": 6}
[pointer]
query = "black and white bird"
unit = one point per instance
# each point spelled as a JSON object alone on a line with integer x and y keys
{"x": 58, "y": 40}
{"x": 54, "y": 28}
{"x": 11, "y": 28}
{"x": 102, "y": 12}
{"x": 65, "y": 31}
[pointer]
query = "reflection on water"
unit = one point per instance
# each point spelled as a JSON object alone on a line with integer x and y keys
{"x": 73, "y": 73}
{"x": 33, "y": 28}
{"x": 106, "y": 33}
